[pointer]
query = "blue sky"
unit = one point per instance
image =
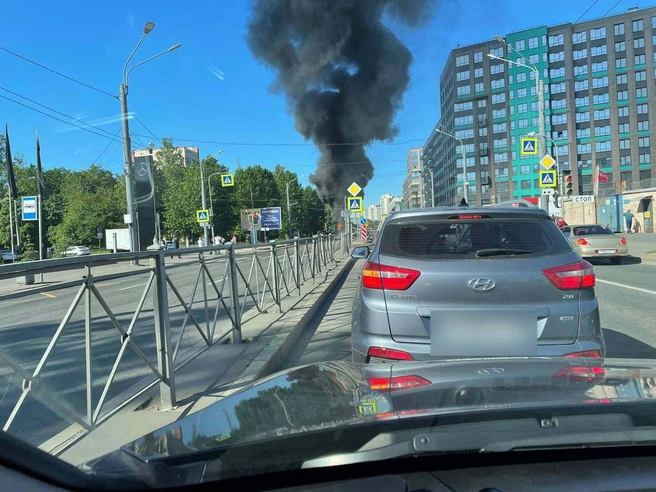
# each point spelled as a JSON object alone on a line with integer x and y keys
{"x": 212, "y": 89}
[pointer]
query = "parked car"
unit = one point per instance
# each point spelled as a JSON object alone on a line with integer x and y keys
{"x": 596, "y": 241}
{"x": 470, "y": 282}
{"x": 76, "y": 251}
{"x": 8, "y": 256}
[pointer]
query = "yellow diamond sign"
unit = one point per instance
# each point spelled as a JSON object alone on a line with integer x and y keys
{"x": 354, "y": 189}
{"x": 547, "y": 161}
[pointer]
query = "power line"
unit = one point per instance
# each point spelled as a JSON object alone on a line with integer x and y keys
{"x": 147, "y": 129}
{"x": 54, "y": 110}
{"x": 55, "y": 118}
{"x": 105, "y": 150}
{"x": 56, "y": 72}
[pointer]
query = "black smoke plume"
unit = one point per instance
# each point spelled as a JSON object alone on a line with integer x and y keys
{"x": 344, "y": 74}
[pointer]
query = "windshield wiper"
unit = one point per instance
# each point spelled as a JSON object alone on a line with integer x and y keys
{"x": 481, "y": 253}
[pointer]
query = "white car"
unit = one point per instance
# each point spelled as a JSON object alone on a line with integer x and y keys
{"x": 8, "y": 256}
{"x": 77, "y": 251}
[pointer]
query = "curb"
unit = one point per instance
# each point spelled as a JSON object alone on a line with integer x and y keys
{"x": 271, "y": 365}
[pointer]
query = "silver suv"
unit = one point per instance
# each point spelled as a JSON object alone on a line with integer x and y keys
{"x": 458, "y": 282}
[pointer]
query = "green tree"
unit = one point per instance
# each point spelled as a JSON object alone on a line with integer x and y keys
{"x": 283, "y": 177}
{"x": 313, "y": 212}
{"x": 255, "y": 187}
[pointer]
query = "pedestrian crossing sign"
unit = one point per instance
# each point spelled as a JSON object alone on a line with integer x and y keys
{"x": 529, "y": 146}
{"x": 202, "y": 216}
{"x": 354, "y": 203}
{"x": 548, "y": 179}
{"x": 227, "y": 180}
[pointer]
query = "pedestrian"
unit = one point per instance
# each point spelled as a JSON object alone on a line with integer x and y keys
{"x": 176, "y": 245}
{"x": 163, "y": 243}
{"x": 636, "y": 227}
{"x": 200, "y": 242}
{"x": 155, "y": 241}
{"x": 628, "y": 218}
{"x": 560, "y": 222}
{"x": 217, "y": 242}
{"x": 234, "y": 239}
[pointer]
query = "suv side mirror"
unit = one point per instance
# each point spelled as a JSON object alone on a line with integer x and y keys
{"x": 360, "y": 253}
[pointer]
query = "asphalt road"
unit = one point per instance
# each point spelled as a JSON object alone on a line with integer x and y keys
{"x": 28, "y": 324}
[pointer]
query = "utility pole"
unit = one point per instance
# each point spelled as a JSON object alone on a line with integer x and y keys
{"x": 289, "y": 214}
{"x": 206, "y": 232}
{"x": 542, "y": 145}
{"x": 128, "y": 171}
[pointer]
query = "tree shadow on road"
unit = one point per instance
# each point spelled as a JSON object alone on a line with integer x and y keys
{"x": 619, "y": 345}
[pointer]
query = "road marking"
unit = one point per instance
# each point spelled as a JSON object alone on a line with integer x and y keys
{"x": 647, "y": 291}
{"x": 48, "y": 295}
{"x": 133, "y": 286}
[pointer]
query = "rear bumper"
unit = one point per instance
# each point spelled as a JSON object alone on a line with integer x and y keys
{"x": 421, "y": 352}
{"x": 593, "y": 251}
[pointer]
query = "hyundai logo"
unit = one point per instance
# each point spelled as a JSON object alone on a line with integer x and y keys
{"x": 492, "y": 370}
{"x": 481, "y": 284}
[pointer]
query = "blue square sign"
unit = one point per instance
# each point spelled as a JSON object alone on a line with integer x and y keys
{"x": 529, "y": 146}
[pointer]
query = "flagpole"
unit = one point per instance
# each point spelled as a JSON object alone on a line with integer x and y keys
{"x": 11, "y": 230}
{"x": 595, "y": 179}
{"x": 16, "y": 222}
{"x": 39, "y": 186}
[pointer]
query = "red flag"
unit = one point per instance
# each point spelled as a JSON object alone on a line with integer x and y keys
{"x": 603, "y": 177}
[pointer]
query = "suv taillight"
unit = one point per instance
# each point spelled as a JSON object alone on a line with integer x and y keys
{"x": 377, "y": 276}
{"x": 397, "y": 383}
{"x": 579, "y": 275}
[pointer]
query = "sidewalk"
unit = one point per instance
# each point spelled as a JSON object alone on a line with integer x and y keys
{"x": 216, "y": 373}
{"x": 641, "y": 244}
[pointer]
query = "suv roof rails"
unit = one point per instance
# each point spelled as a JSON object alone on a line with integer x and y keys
{"x": 516, "y": 204}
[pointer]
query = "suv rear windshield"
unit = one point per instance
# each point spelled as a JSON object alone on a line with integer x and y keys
{"x": 441, "y": 238}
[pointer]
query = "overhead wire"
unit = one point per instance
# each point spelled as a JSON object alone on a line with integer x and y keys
{"x": 24, "y": 58}
{"x": 147, "y": 129}
{"x": 107, "y": 146}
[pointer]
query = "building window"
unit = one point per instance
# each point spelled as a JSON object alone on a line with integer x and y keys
{"x": 583, "y": 117}
{"x": 638, "y": 25}
{"x": 478, "y": 72}
{"x": 521, "y": 92}
{"x": 579, "y": 102}
{"x": 532, "y": 43}
{"x": 462, "y": 60}
{"x": 645, "y": 174}
{"x": 639, "y": 42}
{"x": 481, "y": 103}
{"x": 622, "y": 78}
{"x": 602, "y": 146}
{"x": 535, "y": 106}
{"x": 465, "y": 133}
{"x": 578, "y": 54}
{"x": 579, "y": 37}
{"x": 625, "y": 144}
{"x": 641, "y": 109}
{"x": 535, "y": 121}
{"x": 464, "y": 120}
{"x": 644, "y": 159}
{"x": 639, "y": 59}
{"x": 534, "y": 90}
{"x": 640, "y": 76}
{"x": 579, "y": 85}
{"x": 521, "y": 77}
{"x": 643, "y": 126}
{"x": 584, "y": 148}
{"x": 598, "y": 50}
{"x": 466, "y": 106}
{"x": 499, "y": 127}
{"x": 482, "y": 132}
{"x": 462, "y": 75}
{"x": 498, "y": 84}
{"x": 601, "y": 114}
{"x": 526, "y": 184}
{"x": 622, "y": 95}
{"x": 580, "y": 70}
{"x": 499, "y": 98}
{"x": 463, "y": 90}
{"x": 623, "y": 111}
{"x": 558, "y": 88}
{"x": 599, "y": 82}
{"x": 601, "y": 98}
{"x": 499, "y": 113}
{"x": 600, "y": 66}
{"x": 500, "y": 143}
{"x": 513, "y": 140}
{"x": 623, "y": 128}
{"x": 495, "y": 69}
{"x": 484, "y": 161}
{"x": 501, "y": 157}
{"x": 520, "y": 45}
{"x": 599, "y": 33}
{"x": 618, "y": 29}
{"x": 641, "y": 92}
{"x": 559, "y": 119}
{"x": 625, "y": 160}
{"x": 643, "y": 142}
{"x": 602, "y": 131}
{"x": 523, "y": 123}
{"x": 620, "y": 62}
{"x": 582, "y": 132}
{"x": 511, "y": 95}
{"x": 557, "y": 40}
{"x": 497, "y": 51}
{"x": 479, "y": 87}
{"x": 522, "y": 108}
{"x": 534, "y": 59}
{"x": 478, "y": 57}
{"x": 621, "y": 46}
{"x": 556, "y": 57}
{"x": 557, "y": 72}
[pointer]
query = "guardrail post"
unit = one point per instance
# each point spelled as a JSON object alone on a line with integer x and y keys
{"x": 330, "y": 248}
{"x": 203, "y": 279}
{"x": 297, "y": 264}
{"x": 163, "y": 333}
{"x": 314, "y": 257}
{"x": 234, "y": 296}
{"x": 276, "y": 279}
{"x": 87, "y": 344}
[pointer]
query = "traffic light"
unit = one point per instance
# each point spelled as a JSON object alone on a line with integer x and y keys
{"x": 556, "y": 197}
{"x": 567, "y": 177}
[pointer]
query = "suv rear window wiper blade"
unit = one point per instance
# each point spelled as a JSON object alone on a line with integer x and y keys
{"x": 501, "y": 252}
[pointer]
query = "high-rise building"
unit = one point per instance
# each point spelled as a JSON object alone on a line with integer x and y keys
{"x": 413, "y": 184}
{"x": 189, "y": 154}
{"x": 599, "y": 86}
{"x": 373, "y": 212}
{"x": 388, "y": 202}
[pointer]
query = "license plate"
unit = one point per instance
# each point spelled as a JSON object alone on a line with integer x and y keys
{"x": 606, "y": 251}
{"x": 507, "y": 333}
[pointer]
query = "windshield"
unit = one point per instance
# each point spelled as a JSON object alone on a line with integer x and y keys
{"x": 243, "y": 226}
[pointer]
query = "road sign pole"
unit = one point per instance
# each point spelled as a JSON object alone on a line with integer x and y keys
{"x": 203, "y": 202}
{"x": 542, "y": 148}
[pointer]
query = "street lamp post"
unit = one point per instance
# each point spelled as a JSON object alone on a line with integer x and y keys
{"x": 289, "y": 211}
{"x": 209, "y": 185}
{"x": 432, "y": 186}
{"x": 127, "y": 151}
{"x": 539, "y": 85}
{"x": 206, "y": 232}
{"x": 465, "y": 193}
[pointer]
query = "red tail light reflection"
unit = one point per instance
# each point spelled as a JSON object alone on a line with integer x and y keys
{"x": 397, "y": 383}
{"x": 582, "y": 373}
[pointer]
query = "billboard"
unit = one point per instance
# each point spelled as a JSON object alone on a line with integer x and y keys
{"x": 143, "y": 172}
{"x": 271, "y": 218}
{"x": 251, "y": 218}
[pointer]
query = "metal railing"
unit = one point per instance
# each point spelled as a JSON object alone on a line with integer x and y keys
{"x": 175, "y": 317}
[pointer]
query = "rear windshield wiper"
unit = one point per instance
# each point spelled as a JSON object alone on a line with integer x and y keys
{"x": 481, "y": 253}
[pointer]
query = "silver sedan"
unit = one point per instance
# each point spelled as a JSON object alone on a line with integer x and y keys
{"x": 596, "y": 241}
